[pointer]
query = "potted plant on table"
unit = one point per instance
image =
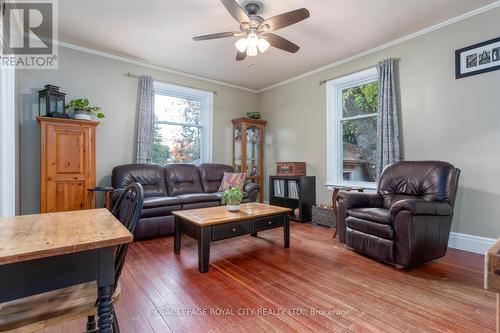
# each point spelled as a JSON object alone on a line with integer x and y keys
{"x": 83, "y": 110}
{"x": 232, "y": 198}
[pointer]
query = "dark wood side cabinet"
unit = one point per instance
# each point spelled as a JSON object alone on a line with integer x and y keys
{"x": 294, "y": 192}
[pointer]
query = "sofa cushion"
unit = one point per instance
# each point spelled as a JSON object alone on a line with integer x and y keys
{"x": 196, "y": 205}
{"x": 150, "y": 176}
{"x": 198, "y": 197}
{"x": 378, "y": 215}
{"x": 211, "y": 175}
{"x": 152, "y": 202}
{"x": 160, "y": 211}
{"x": 369, "y": 227}
{"x": 182, "y": 179}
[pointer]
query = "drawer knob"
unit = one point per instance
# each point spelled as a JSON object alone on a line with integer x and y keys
{"x": 269, "y": 222}
{"x": 233, "y": 229}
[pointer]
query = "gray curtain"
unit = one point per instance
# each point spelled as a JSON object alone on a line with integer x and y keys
{"x": 387, "y": 120}
{"x": 146, "y": 118}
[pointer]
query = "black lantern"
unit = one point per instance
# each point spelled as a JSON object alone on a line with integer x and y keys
{"x": 51, "y": 102}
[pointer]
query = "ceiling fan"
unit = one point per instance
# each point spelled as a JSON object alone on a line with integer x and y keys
{"x": 255, "y": 31}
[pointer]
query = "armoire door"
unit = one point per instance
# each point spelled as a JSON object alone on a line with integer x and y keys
{"x": 69, "y": 168}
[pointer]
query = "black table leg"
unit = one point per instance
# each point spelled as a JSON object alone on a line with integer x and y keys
{"x": 177, "y": 235}
{"x": 254, "y": 234}
{"x": 286, "y": 231}
{"x": 203, "y": 248}
{"x": 105, "y": 284}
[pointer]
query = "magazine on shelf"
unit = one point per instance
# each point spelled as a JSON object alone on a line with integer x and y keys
{"x": 279, "y": 187}
{"x": 293, "y": 189}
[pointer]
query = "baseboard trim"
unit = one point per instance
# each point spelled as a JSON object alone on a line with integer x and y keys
{"x": 470, "y": 243}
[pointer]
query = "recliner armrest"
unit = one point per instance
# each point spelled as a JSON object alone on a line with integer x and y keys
{"x": 421, "y": 207}
{"x": 359, "y": 200}
{"x": 252, "y": 189}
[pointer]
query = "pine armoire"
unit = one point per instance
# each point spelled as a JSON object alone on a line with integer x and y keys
{"x": 67, "y": 164}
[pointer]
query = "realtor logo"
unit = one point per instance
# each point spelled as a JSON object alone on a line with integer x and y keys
{"x": 29, "y": 28}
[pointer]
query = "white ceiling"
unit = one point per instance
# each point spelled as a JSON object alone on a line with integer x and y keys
{"x": 161, "y": 31}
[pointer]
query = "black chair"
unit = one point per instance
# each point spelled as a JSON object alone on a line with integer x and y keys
{"x": 78, "y": 301}
{"x": 127, "y": 210}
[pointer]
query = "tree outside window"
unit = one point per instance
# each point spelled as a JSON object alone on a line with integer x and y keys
{"x": 177, "y": 130}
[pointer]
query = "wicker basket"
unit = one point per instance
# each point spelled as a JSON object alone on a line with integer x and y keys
{"x": 323, "y": 216}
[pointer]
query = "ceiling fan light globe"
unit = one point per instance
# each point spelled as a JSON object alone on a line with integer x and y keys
{"x": 263, "y": 45}
{"x": 251, "y": 51}
{"x": 241, "y": 44}
{"x": 253, "y": 40}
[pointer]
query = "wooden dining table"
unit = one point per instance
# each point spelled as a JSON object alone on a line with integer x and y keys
{"x": 45, "y": 252}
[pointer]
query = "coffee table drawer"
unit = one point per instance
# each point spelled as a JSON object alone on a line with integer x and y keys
{"x": 267, "y": 223}
{"x": 232, "y": 229}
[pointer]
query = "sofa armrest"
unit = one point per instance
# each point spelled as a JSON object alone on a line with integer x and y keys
{"x": 252, "y": 190}
{"x": 350, "y": 200}
{"x": 421, "y": 207}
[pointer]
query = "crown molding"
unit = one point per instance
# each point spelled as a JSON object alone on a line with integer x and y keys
{"x": 387, "y": 45}
{"x": 150, "y": 65}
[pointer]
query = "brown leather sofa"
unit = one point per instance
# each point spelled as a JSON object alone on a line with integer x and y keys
{"x": 170, "y": 188}
{"x": 407, "y": 222}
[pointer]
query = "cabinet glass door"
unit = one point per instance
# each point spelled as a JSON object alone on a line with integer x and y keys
{"x": 253, "y": 142}
{"x": 237, "y": 156}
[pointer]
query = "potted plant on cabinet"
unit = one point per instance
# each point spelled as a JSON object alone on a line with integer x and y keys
{"x": 83, "y": 110}
{"x": 232, "y": 198}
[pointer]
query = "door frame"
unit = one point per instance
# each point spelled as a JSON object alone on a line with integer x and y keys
{"x": 7, "y": 142}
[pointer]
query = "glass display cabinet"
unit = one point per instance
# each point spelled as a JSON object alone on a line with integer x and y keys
{"x": 248, "y": 150}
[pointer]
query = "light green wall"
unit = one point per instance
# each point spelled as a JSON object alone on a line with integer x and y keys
{"x": 442, "y": 118}
{"x": 103, "y": 81}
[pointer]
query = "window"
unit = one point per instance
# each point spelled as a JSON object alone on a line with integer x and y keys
{"x": 352, "y": 106}
{"x": 182, "y": 125}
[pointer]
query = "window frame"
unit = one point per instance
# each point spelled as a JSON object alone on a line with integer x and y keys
{"x": 334, "y": 110}
{"x": 206, "y": 113}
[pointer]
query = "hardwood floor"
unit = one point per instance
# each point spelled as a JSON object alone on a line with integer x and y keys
{"x": 346, "y": 291}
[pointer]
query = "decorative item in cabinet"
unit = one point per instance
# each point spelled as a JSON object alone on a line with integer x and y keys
{"x": 295, "y": 192}
{"x": 67, "y": 164}
{"x": 248, "y": 149}
{"x": 291, "y": 168}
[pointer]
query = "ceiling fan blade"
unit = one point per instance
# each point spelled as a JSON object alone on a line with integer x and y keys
{"x": 236, "y": 11}
{"x": 218, "y": 35}
{"x": 286, "y": 19}
{"x": 281, "y": 43}
{"x": 241, "y": 56}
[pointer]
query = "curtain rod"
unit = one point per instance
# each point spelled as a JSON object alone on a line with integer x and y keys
{"x": 180, "y": 85}
{"x": 359, "y": 70}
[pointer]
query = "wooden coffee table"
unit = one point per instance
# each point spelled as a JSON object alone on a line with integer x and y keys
{"x": 215, "y": 223}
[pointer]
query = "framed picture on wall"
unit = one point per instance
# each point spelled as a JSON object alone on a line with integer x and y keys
{"x": 478, "y": 58}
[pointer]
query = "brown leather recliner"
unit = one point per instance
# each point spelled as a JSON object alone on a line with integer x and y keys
{"x": 407, "y": 222}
